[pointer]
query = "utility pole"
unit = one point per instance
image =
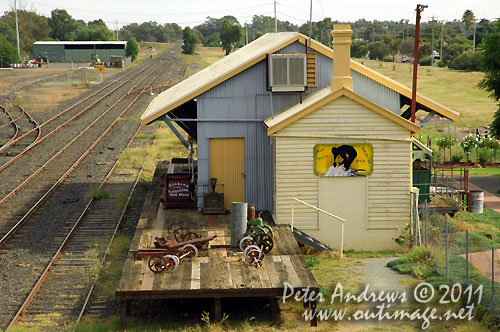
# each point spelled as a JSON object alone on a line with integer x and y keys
{"x": 17, "y": 31}
{"x": 310, "y": 22}
{"x": 246, "y": 33}
{"x": 275, "y": 19}
{"x": 116, "y": 28}
{"x": 432, "y": 43}
{"x": 420, "y": 8}
{"x": 441, "y": 46}
{"x": 474, "y": 37}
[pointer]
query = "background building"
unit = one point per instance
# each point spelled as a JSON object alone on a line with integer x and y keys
{"x": 78, "y": 51}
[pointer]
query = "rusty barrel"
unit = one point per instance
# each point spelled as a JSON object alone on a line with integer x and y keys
{"x": 476, "y": 201}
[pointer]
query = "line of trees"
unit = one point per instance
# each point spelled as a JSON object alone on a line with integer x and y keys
{"x": 456, "y": 41}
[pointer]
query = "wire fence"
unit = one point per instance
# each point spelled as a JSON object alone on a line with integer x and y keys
{"x": 464, "y": 247}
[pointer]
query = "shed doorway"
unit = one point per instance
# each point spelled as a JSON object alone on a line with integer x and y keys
{"x": 227, "y": 164}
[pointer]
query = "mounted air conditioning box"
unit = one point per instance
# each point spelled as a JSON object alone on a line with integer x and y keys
{"x": 287, "y": 72}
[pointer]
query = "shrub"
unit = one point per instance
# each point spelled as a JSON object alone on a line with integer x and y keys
{"x": 466, "y": 61}
{"x": 441, "y": 64}
{"x": 387, "y": 58}
{"x": 483, "y": 158}
{"x": 98, "y": 194}
{"x": 457, "y": 157}
{"x": 425, "y": 61}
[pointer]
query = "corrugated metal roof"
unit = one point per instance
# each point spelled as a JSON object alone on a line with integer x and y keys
{"x": 79, "y": 42}
{"x": 322, "y": 97}
{"x": 251, "y": 54}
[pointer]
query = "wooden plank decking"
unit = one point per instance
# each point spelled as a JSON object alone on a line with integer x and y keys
{"x": 217, "y": 272}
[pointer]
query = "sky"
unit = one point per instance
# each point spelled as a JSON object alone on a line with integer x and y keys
{"x": 193, "y": 12}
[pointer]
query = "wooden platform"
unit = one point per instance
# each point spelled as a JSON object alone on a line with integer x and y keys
{"x": 217, "y": 272}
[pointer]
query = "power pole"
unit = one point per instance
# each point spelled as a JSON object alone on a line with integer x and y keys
{"x": 441, "y": 46}
{"x": 246, "y": 33}
{"x": 474, "y": 37}
{"x": 17, "y": 31}
{"x": 432, "y": 43}
{"x": 420, "y": 8}
{"x": 116, "y": 28}
{"x": 275, "y": 19}
{"x": 310, "y": 22}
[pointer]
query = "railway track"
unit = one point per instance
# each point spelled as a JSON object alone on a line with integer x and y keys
{"x": 30, "y": 247}
{"x": 55, "y": 159}
{"x": 22, "y": 123}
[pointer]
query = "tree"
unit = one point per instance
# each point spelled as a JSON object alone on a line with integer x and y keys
{"x": 62, "y": 25}
{"x": 8, "y": 54}
{"x": 490, "y": 64}
{"x": 468, "y": 143}
{"x": 359, "y": 48}
{"x": 32, "y": 27}
{"x": 190, "y": 41}
{"x": 445, "y": 142}
{"x": 230, "y": 36}
{"x": 468, "y": 20}
{"x": 132, "y": 48}
{"x": 378, "y": 50}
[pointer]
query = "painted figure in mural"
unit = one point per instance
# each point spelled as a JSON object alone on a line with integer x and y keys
{"x": 348, "y": 155}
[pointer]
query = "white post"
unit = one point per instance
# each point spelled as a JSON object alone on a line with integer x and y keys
{"x": 17, "y": 31}
{"x": 275, "y": 19}
{"x": 342, "y": 242}
{"x": 100, "y": 75}
{"x": 292, "y": 217}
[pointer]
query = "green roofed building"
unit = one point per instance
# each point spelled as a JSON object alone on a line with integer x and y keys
{"x": 78, "y": 51}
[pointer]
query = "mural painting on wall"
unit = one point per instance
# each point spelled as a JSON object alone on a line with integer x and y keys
{"x": 343, "y": 159}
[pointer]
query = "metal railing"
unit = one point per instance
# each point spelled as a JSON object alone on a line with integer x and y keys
{"x": 328, "y": 214}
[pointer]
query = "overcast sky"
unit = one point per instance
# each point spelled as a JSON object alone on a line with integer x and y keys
{"x": 193, "y": 12}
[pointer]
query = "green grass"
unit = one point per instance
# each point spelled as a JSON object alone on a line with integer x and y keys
{"x": 99, "y": 194}
{"x": 484, "y": 171}
{"x": 455, "y": 89}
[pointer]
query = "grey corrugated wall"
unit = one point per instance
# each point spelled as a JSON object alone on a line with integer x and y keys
{"x": 244, "y": 96}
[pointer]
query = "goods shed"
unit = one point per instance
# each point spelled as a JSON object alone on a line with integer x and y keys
{"x": 239, "y": 108}
{"x": 78, "y": 51}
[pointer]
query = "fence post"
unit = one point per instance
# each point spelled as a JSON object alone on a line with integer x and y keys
{"x": 493, "y": 280}
{"x": 342, "y": 242}
{"x": 292, "y": 216}
{"x": 466, "y": 257}
{"x": 446, "y": 243}
{"x": 426, "y": 216}
{"x": 414, "y": 221}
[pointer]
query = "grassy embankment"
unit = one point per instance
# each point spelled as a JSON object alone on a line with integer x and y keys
{"x": 455, "y": 89}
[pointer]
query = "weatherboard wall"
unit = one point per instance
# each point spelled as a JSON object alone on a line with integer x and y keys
{"x": 376, "y": 206}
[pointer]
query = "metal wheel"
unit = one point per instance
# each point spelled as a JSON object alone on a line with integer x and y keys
{"x": 180, "y": 233}
{"x": 190, "y": 236}
{"x": 254, "y": 231}
{"x": 245, "y": 242}
{"x": 172, "y": 228}
{"x": 264, "y": 242}
{"x": 190, "y": 251}
{"x": 156, "y": 264}
{"x": 268, "y": 230}
{"x": 253, "y": 255}
{"x": 171, "y": 263}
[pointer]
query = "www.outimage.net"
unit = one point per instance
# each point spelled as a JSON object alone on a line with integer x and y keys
{"x": 384, "y": 303}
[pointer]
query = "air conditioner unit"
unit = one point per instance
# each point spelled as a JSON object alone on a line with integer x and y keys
{"x": 287, "y": 72}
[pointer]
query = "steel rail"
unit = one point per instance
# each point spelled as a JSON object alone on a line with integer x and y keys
{"x": 54, "y": 259}
{"x": 103, "y": 260}
{"x": 16, "y": 126}
{"x": 59, "y": 251}
{"x": 30, "y": 119}
{"x": 138, "y": 70}
{"x": 21, "y": 221}
{"x": 28, "y": 148}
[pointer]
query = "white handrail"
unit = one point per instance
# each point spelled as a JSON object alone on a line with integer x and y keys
{"x": 327, "y": 213}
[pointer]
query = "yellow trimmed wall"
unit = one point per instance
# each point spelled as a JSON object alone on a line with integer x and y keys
{"x": 376, "y": 207}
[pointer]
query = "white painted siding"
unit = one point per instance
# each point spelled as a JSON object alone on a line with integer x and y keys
{"x": 388, "y": 188}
